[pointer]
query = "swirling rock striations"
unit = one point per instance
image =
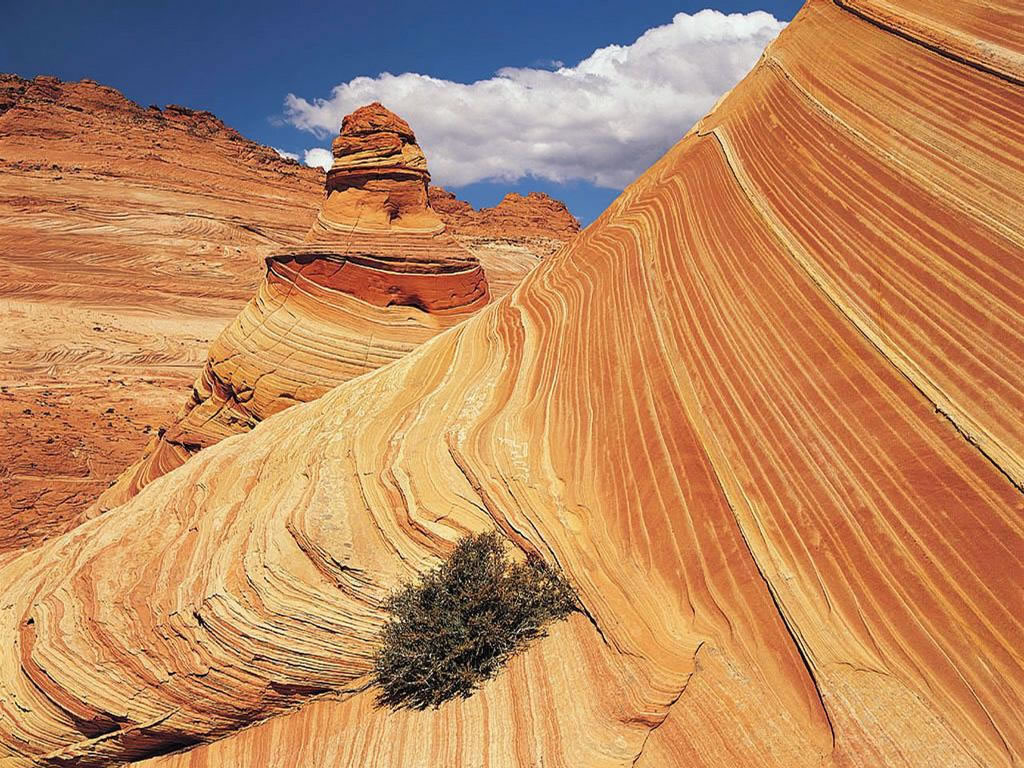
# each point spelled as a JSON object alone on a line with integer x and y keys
{"x": 377, "y": 276}
{"x": 762, "y": 413}
{"x": 129, "y": 237}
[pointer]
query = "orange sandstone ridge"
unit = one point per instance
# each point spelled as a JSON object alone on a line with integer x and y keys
{"x": 763, "y": 413}
{"x": 532, "y": 215}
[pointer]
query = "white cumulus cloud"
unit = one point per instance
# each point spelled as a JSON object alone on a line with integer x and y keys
{"x": 285, "y": 155}
{"x": 318, "y": 157}
{"x": 604, "y": 120}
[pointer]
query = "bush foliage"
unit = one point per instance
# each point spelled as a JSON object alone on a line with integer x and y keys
{"x": 459, "y": 625}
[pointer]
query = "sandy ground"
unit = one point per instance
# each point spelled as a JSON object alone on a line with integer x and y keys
{"x": 81, "y": 392}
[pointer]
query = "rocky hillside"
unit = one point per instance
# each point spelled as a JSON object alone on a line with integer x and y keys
{"x": 377, "y": 275}
{"x": 129, "y": 237}
{"x": 764, "y": 414}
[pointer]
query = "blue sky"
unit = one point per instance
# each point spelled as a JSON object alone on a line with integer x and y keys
{"x": 241, "y": 61}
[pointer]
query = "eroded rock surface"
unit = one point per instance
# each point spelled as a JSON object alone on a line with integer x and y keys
{"x": 763, "y": 413}
{"x": 129, "y": 238}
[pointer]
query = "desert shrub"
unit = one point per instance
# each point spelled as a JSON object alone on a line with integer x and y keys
{"x": 459, "y": 625}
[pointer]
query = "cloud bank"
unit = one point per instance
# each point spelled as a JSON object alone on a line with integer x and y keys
{"x": 604, "y": 120}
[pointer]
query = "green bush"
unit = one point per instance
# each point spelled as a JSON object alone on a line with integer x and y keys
{"x": 459, "y": 625}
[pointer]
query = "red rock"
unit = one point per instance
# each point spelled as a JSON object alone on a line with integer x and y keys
{"x": 377, "y": 277}
{"x": 128, "y": 237}
{"x": 764, "y": 414}
{"x": 375, "y": 118}
{"x": 515, "y": 217}
{"x": 379, "y": 177}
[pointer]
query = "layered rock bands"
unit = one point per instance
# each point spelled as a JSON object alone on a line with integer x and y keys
{"x": 129, "y": 238}
{"x": 765, "y": 414}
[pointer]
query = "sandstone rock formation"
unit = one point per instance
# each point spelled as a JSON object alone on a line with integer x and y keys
{"x": 516, "y": 216}
{"x": 128, "y": 238}
{"x": 764, "y": 414}
{"x": 379, "y": 177}
{"x": 377, "y": 276}
{"x": 509, "y": 238}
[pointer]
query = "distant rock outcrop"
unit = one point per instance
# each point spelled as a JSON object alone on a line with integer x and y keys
{"x": 78, "y": 124}
{"x": 516, "y": 216}
{"x": 12, "y": 88}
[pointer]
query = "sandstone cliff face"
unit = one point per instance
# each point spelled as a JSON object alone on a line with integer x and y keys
{"x": 128, "y": 238}
{"x": 763, "y": 413}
